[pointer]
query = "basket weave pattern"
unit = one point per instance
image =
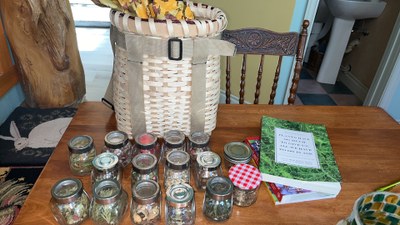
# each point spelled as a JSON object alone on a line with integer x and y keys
{"x": 167, "y": 84}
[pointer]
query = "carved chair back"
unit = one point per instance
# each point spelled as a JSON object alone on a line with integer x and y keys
{"x": 257, "y": 41}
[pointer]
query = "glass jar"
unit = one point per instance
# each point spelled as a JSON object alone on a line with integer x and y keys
{"x": 109, "y": 202}
{"x": 236, "y": 153}
{"x": 218, "y": 202}
{"x": 146, "y": 203}
{"x": 105, "y": 166}
{"x": 118, "y": 143}
{"x": 208, "y": 164}
{"x": 180, "y": 205}
{"x": 177, "y": 169}
{"x": 144, "y": 167}
{"x": 147, "y": 143}
{"x": 81, "y": 155}
{"x": 246, "y": 180}
{"x": 173, "y": 140}
{"x": 198, "y": 143}
{"x": 69, "y": 202}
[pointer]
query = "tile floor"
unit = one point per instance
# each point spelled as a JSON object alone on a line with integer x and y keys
{"x": 310, "y": 92}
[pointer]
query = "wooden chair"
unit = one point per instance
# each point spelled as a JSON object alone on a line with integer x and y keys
{"x": 257, "y": 41}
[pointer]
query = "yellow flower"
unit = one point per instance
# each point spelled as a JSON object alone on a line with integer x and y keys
{"x": 141, "y": 11}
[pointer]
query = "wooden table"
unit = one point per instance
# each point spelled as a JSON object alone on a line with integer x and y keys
{"x": 365, "y": 141}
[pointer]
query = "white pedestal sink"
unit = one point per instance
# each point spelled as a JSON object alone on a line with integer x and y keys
{"x": 345, "y": 13}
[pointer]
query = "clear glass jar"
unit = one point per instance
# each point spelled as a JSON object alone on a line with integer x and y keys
{"x": 177, "y": 169}
{"x": 146, "y": 203}
{"x": 147, "y": 143}
{"x": 109, "y": 203}
{"x": 236, "y": 153}
{"x": 218, "y": 202}
{"x": 118, "y": 143}
{"x": 180, "y": 205}
{"x": 246, "y": 180}
{"x": 81, "y": 155}
{"x": 198, "y": 143}
{"x": 173, "y": 140}
{"x": 208, "y": 164}
{"x": 69, "y": 202}
{"x": 144, "y": 167}
{"x": 106, "y": 166}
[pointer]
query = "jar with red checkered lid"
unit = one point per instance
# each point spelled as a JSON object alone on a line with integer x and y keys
{"x": 246, "y": 180}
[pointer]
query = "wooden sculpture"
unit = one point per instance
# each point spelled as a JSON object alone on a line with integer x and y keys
{"x": 43, "y": 39}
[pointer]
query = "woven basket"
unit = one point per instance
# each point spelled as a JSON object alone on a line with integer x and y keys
{"x": 156, "y": 89}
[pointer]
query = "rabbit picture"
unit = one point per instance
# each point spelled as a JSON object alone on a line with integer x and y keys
{"x": 45, "y": 135}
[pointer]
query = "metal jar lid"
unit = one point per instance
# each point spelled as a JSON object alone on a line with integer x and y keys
{"x": 174, "y": 138}
{"x": 106, "y": 191}
{"x": 105, "y": 161}
{"x": 237, "y": 152}
{"x": 146, "y": 192}
{"x": 144, "y": 163}
{"x": 80, "y": 144}
{"x": 209, "y": 160}
{"x": 199, "y": 139}
{"x": 67, "y": 190}
{"x": 116, "y": 139}
{"x": 146, "y": 140}
{"x": 219, "y": 188}
{"x": 178, "y": 160}
{"x": 179, "y": 195}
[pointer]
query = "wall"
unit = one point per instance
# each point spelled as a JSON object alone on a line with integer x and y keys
{"x": 13, "y": 97}
{"x": 10, "y": 101}
{"x": 272, "y": 14}
{"x": 391, "y": 96}
{"x": 366, "y": 57}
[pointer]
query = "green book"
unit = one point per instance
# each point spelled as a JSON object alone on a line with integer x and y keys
{"x": 299, "y": 155}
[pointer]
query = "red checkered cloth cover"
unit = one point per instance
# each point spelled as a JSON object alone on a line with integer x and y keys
{"x": 245, "y": 176}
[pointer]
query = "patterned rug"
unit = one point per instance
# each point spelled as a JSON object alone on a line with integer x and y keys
{"x": 15, "y": 184}
{"x": 29, "y": 136}
{"x": 27, "y": 139}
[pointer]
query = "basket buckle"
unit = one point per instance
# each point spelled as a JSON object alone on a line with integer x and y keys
{"x": 173, "y": 43}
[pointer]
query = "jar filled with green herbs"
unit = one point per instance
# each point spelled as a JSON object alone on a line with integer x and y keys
{"x": 236, "y": 153}
{"x": 218, "y": 202}
{"x": 109, "y": 203}
{"x": 69, "y": 202}
{"x": 147, "y": 143}
{"x": 246, "y": 180}
{"x": 118, "y": 143}
{"x": 198, "y": 142}
{"x": 105, "y": 166}
{"x": 81, "y": 154}
{"x": 177, "y": 169}
{"x": 208, "y": 164}
{"x": 180, "y": 205}
{"x": 173, "y": 140}
{"x": 144, "y": 167}
{"x": 146, "y": 203}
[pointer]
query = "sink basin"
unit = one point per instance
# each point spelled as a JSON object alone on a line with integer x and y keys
{"x": 356, "y": 9}
{"x": 345, "y": 13}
